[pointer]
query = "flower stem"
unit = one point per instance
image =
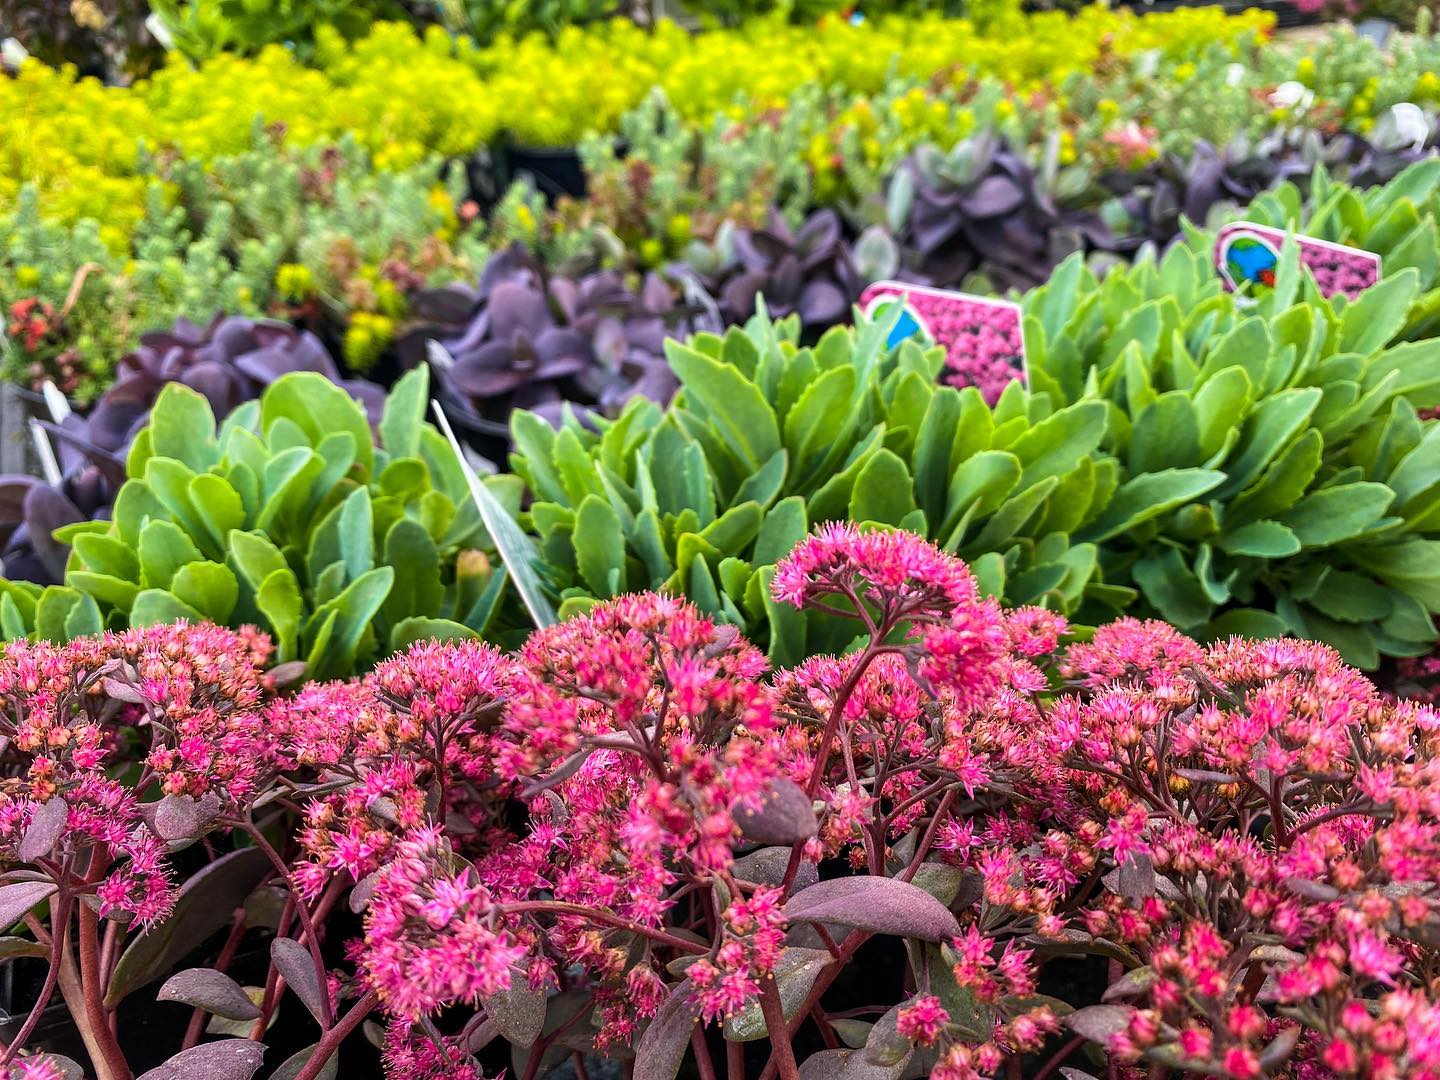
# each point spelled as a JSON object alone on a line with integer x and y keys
{"x": 781, "y": 1052}
{"x": 330, "y": 1042}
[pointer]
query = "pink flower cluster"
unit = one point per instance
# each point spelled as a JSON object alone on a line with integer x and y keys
{"x": 627, "y": 813}
{"x": 190, "y": 693}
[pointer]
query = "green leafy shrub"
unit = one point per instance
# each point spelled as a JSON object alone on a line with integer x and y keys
{"x": 1396, "y": 220}
{"x": 1254, "y": 469}
{"x": 1287, "y": 482}
{"x": 289, "y": 516}
{"x": 768, "y": 438}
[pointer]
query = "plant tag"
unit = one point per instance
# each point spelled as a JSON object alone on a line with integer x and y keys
{"x": 982, "y": 336}
{"x": 1247, "y": 254}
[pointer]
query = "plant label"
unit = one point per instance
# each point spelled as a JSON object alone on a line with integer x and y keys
{"x": 982, "y": 336}
{"x": 1247, "y": 254}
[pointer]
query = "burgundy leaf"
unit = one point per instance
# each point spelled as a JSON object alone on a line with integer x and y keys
{"x": 877, "y": 904}
{"x": 519, "y": 1012}
{"x": 17, "y": 900}
{"x": 207, "y": 901}
{"x": 1099, "y": 1022}
{"x": 46, "y": 827}
{"x": 211, "y": 990}
{"x": 661, "y": 1050}
{"x": 293, "y": 961}
{"x": 228, "y": 1059}
{"x": 180, "y": 817}
{"x": 785, "y": 816}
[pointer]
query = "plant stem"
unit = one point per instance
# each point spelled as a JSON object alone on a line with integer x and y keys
{"x": 1053, "y": 1065}
{"x": 781, "y": 1052}
{"x": 559, "y": 907}
{"x": 112, "y": 1064}
{"x": 74, "y": 995}
{"x": 702, "y": 1052}
{"x": 327, "y": 1018}
{"x": 734, "y": 1060}
{"x": 331, "y": 1040}
{"x": 52, "y": 978}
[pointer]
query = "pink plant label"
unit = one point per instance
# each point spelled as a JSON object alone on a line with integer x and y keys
{"x": 1248, "y": 254}
{"x": 982, "y": 337}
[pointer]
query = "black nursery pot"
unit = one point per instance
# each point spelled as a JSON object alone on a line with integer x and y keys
{"x": 556, "y": 170}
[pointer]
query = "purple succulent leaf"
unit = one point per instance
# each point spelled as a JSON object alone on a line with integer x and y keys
{"x": 487, "y": 372}
{"x": 932, "y": 225}
{"x": 45, "y": 511}
{"x": 820, "y": 235}
{"x": 13, "y": 489}
{"x": 738, "y": 295}
{"x": 218, "y": 381}
{"x": 655, "y": 296}
{"x": 515, "y": 307}
{"x": 822, "y": 304}
{"x": 994, "y": 197}
{"x": 452, "y": 305}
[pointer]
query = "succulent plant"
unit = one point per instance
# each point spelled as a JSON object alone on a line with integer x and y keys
{"x": 527, "y": 339}
{"x": 290, "y": 515}
{"x": 808, "y": 272}
{"x": 982, "y": 208}
{"x": 230, "y": 360}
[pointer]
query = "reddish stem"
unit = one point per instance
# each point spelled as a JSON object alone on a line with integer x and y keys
{"x": 47, "y": 990}
{"x": 112, "y": 1065}
{"x": 702, "y": 1052}
{"x": 781, "y": 1052}
{"x": 331, "y": 1040}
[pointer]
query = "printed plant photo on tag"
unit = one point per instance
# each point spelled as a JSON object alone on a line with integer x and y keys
{"x": 983, "y": 341}
{"x": 1247, "y": 254}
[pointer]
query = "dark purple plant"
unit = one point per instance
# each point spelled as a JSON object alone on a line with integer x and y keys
{"x": 526, "y": 339}
{"x": 230, "y": 360}
{"x": 981, "y": 207}
{"x": 809, "y": 273}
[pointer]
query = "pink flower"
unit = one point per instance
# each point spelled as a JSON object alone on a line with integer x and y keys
{"x": 923, "y": 1020}
{"x": 431, "y": 934}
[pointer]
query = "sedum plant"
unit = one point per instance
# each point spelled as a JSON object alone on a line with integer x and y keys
{"x": 1259, "y": 469}
{"x": 289, "y": 516}
{"x": 767, "y": 438}
{"x": 1290, "y": 481}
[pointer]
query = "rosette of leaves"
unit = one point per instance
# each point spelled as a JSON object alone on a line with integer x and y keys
{"x": 808, "y": 273}
{"x": 1151, "y": 203}
{"x": 768, "y": 438}
{"x": 289, "y": 515}
{"x": 230, "y": 360}
{"x": 1273, "y": 474}
{"x": 981, "y": 208}
{"x": 1395, "y": 220}
{"x": 528, "y": 339}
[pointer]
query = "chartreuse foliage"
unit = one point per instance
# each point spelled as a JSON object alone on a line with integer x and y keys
{"x": 290, "y": 516}
{"x": 1274, "y": 475}
{"x": 766, "y": 439}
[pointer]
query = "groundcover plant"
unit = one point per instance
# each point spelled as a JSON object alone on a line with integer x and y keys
{"x": 956, "y": 850}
